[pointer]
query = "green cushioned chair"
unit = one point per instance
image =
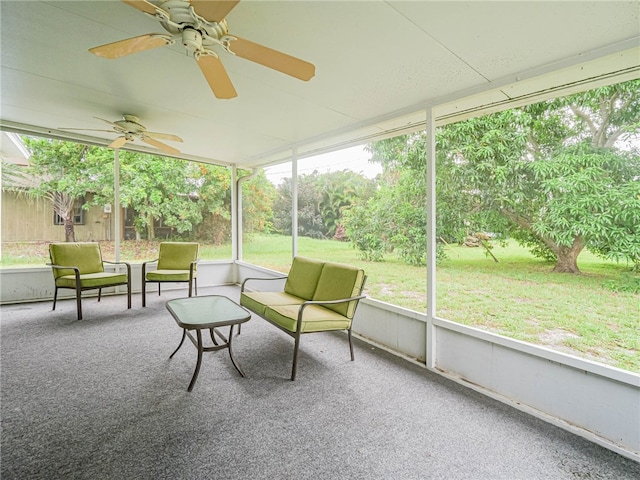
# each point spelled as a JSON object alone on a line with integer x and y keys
{"x": 176, "y": 262}
{"x": 79, "y": 266}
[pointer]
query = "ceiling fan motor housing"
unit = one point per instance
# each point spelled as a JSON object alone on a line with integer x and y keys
{"x": 192, "y": 39}
{"x": 195, "y": 30}
{"x": 130, "y": 124}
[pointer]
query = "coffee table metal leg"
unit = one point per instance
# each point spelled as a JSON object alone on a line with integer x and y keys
{"x": 184, "y": 334}
{"x": 231, "y": 351}
{"x": 197, "y": 370}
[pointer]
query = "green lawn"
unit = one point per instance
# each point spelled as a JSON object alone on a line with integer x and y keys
{"x": 519, "y": 296}
{"x": 594, "y": 315}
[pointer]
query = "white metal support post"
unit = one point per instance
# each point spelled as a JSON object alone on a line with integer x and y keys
{"x": 237, "y": 196}
{"x": 236, "y": 217}
{"x": 116, "y": 203}
{"x": 117, "y": 209}
{"x": 294, "y": 202}
{"x": 431, "y": 238}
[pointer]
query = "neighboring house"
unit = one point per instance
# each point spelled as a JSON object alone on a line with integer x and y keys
{"x": 31, "y": 220}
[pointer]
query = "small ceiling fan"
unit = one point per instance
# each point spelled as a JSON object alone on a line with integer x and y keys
{"x": 130, "y": 128}
{"x": 200, "y": 25}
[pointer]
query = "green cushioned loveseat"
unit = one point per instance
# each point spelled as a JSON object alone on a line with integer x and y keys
{"x": 317, "y": 297}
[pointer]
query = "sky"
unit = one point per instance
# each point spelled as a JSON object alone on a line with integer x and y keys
{"x": 353, "y": 158}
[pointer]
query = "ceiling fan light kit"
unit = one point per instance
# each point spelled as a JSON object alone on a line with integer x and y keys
{"x": 200, "y": 25}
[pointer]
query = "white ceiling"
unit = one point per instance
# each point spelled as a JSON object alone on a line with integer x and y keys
{"x": 378, "y": 65}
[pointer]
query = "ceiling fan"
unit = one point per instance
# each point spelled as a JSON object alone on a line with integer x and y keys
{"x": 200, "y": 25}
{"x": 129, "y": 129}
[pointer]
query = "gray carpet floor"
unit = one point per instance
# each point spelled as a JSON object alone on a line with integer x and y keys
{"x": 99, "y": 399}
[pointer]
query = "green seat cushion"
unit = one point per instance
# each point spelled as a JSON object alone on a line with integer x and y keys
{"x": 339, "y": 281}
{"x": 258, "y": 301}
{"x": 169, "y": 275}
{"x": 92, "y": 280}
{"x": 177, "y": 255}
{"x": 315, "y": 318}
{"x": 85, "y": 256}
{"x": 303, "y": 277}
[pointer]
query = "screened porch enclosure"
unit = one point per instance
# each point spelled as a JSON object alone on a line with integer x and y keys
{"x": 534, "y": 379}
{"x": 482, "y": 58}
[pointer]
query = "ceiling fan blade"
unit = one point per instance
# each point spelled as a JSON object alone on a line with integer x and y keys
{"x": 160, "y": 145}
{"x": 213, "y": 11}
{"x": 142, "y": 5}
{"x": 118, "y": 142}
{"x": 164, "y": 136}
{"x": 113, "y": 124}
{"x": 216, "y": 76}
{"x": 272, "y": 58}
{"x": 131, "y": 45}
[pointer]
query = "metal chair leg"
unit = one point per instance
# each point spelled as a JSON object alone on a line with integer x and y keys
{"x": 295, "y": 357}
{"x": 79, "y": 301}
{"x": 55, "y": 298}
{"x": 128, "y": 290}
{"x": 350, "y": 344}
{"x": 144, "y": 284}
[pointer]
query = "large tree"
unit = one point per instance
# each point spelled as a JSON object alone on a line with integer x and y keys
{"x": 592, "y": 199}
{"x": 159, "y": 188}
{"x": 558, "y": 176}
{"x": 556, "y": 170}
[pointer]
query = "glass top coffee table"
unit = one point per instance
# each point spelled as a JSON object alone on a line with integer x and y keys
{"x": 207, "y": 312}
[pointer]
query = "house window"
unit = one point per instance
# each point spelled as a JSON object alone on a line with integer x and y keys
{"x": 78, "y": 214}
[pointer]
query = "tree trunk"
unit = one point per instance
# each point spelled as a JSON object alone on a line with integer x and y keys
{"x": 151, "y": 232}
{"x": 63, "y": 205}
{"x": 568, "y": 257}
{"x": 69, "y": 231}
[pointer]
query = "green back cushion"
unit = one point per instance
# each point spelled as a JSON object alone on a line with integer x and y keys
{"x": 177, "y": 255}
{"x": 339, "y": 281}
{"x": 85, "y": 256}
{"x": 303, "y": 277}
